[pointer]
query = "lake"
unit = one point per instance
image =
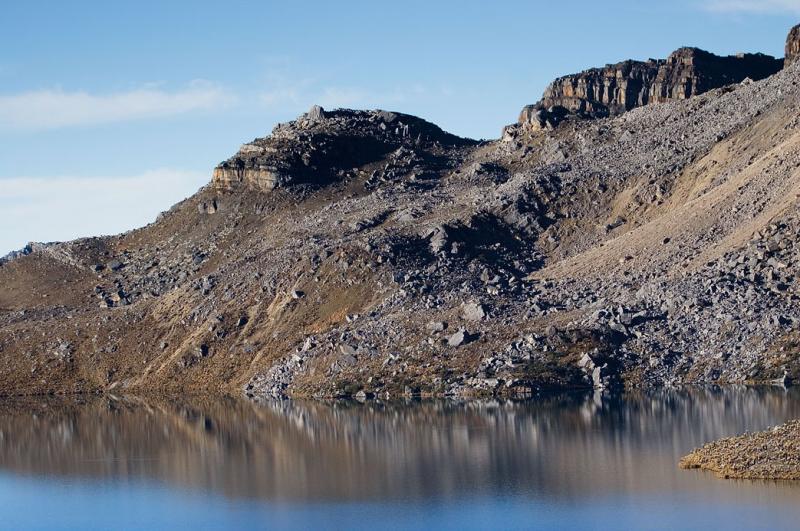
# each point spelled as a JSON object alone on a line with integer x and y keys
{"x": 573, "y": 461}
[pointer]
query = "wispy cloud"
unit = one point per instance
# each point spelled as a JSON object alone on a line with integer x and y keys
{"x": 52, "y": 109}
{"x": 64, "y": 208}
{"x": 301, "y": 93}
{"x": 364, "y": 98}
{"x": 280, "y": 96}
{"x": 339, "y": 96}
{"x": 283, "y": 89}
{"x": 753, "y": 6}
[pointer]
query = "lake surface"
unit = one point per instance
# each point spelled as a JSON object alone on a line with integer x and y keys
{"x": 563, "y": 462}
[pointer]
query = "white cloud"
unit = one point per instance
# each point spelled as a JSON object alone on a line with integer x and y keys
{"x": 64, "y": 208}
{"x": 299, "y": 95}
{"x": 362, "y": 98}
{"x": 334, "y": 97}
{"x": 753, "y": 6}
{"x": 52, "y": 109}
{"x": 280, "y": 96}
{"x": 284, "y": 90}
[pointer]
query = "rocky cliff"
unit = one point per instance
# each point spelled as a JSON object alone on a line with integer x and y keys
{"x": 325, "y": 146}
{"x": 793, "y": 45}
{"x": 370, "y": 253}
{"x": 614, "y": 89}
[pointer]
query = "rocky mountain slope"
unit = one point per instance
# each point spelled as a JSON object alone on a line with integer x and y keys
{"x": 371, "y": 253}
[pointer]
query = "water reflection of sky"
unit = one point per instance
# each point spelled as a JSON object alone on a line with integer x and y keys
{"x": 576, "y": 457}
{"x": 80, "y": 504}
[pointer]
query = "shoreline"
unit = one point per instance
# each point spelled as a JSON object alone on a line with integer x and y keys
{"x": 772, "y": 454}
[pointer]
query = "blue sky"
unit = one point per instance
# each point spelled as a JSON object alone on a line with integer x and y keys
{"x": 113, "y": 111}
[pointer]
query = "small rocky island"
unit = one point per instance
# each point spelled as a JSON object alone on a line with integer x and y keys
{"x": 770, "y": 454}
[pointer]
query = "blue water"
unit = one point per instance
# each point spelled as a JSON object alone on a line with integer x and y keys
{"x": 577, "y": 462}
{"x": 83, "y": 505}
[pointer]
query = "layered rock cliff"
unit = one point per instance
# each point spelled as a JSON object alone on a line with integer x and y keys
{"x": 793, "y": 45}
{"x": 617, "y": 88}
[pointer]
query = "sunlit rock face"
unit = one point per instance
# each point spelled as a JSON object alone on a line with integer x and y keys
{"x": 614, "y": 89}
{"x": 793, "y": 45}
{"x": 230, "y": 178}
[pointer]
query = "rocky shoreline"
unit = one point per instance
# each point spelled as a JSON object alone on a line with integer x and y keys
{"x": 772, "y": 454}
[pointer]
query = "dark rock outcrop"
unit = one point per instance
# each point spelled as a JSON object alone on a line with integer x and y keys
{"x": 322, "y": 146}
{"x": 25, "y": 251}
{"x": 614, "y": 89}
{"x": 792, "y": 45}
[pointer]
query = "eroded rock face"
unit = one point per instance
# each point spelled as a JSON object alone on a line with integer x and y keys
{"x": 614, "y": 89}
{"x": 322, "y": 146}
{"x": 602, "y": 91}
{"x": 792, "y": 45}
{"x": 234, "y": 176}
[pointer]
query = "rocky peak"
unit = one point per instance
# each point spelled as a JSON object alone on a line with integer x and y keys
{"x": 792, "y": 45}
{"x": 321, "y": 146}
{"x": 25, "y": 251}
{"x": 617, "y": 88}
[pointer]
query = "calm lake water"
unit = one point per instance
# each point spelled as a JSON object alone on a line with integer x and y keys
{"x": 562, "y": 462}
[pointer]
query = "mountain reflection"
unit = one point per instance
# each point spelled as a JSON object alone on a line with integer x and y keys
{"x": 568, "y": 446}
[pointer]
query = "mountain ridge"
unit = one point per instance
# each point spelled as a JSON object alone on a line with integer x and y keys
{"x": 370, "y": 253}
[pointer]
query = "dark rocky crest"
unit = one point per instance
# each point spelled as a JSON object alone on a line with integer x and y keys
{"x": 617, "y": 88}
{"x": 322, "y": 146}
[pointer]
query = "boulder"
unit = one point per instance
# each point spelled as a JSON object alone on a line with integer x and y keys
{"x": 473, "y": 311}
{"x": 436, "y": 326}
{"x": 457, "y": 339}
{"x": 316, "y": 113}
{"x": 347, "y": 350}
{"x": 439, "y": 239}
